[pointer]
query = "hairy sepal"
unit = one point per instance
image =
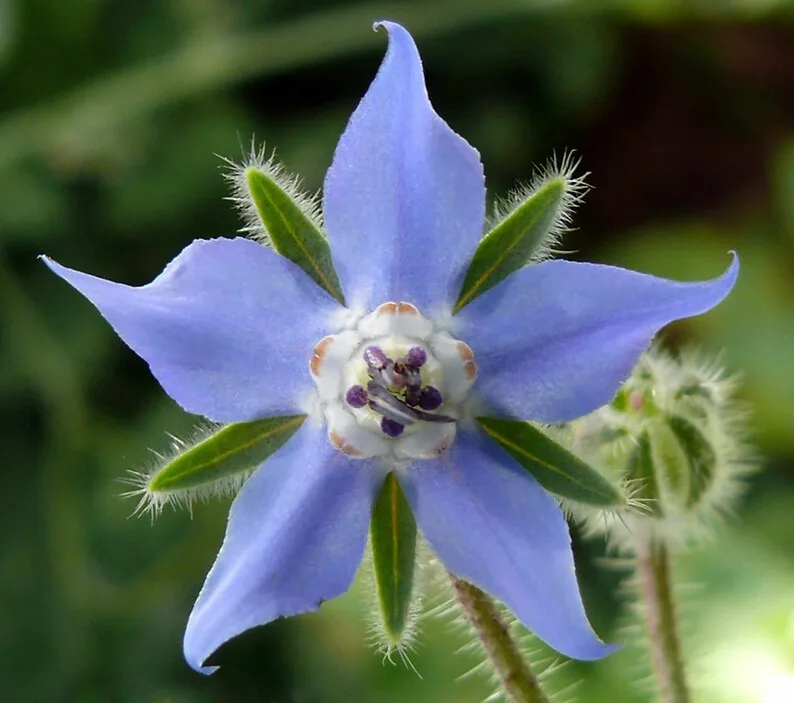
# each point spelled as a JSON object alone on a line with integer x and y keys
{"x": 393, "y": 539}
{"x": 527, "y": 227}
{"x": 216, "y": 463}
{"x": 640, "y": 471}
{"x": 701, "y": 457}
{"x": 554, "y": 467}
{"x": 281, "y": 216}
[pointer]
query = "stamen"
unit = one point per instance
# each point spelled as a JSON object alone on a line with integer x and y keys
{"x": 388, "y": 405}
{"x": 412, "y": 394}
{"x": 356, "y": 396}
{"x": 412, "y": 378}
{"x": 391, "y": 428}
{"x": 430, "y": 398}
{"x": 416, "y": 357}
{"x": 375, "y": 358}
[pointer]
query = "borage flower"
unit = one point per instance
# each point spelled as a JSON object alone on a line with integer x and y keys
{"x": 398, "y": 377}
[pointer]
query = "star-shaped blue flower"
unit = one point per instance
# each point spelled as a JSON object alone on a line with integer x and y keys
{"x": 235, "y": 332}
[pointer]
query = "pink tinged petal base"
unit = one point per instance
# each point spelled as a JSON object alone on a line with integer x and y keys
{"x": 295, "y": 538}
{"x": 490, "y": 523}
{"x": 554, "y": 341}
{"x": 227, "y": 328}
{"x": 404, "y": 200}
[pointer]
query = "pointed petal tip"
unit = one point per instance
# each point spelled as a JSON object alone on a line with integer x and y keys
{"x": 195, "y": 653}
{"x": 72, "y": 276}
{"x": 722, "y": 285}
{"x": 594, "y": 650}
{"x": 402, "y": 43}
{"x": 390, "y": 26}
{"x": 196, "y": 662}
{"x": 51, "y": 264}
{"x": 733, "y": 267}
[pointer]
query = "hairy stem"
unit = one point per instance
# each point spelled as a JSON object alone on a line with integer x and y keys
{"x": 656, "y": 587}
{"x": 515, "y": 676}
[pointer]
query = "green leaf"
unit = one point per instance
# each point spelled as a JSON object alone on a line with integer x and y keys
{"x": 554, "y": 467}
{"x": 700, "y": 455}
{"x": 511, "y": 244}
{"x": 393, "y": 539}
{"x": 238, "y": 447}
{"x": 292, "y": 232}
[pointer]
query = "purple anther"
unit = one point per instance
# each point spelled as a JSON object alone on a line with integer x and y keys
{"x": 391, "y": 427}
{"x": 416, "y": 357}
{"x": 430, "y": 398}
{"x": 412, "y": 394}
{"x": 356, "y": 397}
{"x": 375, "y": 358}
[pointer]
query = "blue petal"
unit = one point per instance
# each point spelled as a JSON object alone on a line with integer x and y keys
{"x": 295, "y": 538}
{"x": 405, "y": 196}
{"x": 491, "y": 524}
{"x": 227, "y": 328}
{"x": 554, "y": 341}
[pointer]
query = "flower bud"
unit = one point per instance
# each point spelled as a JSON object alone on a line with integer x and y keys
{"x": 675, "y": 436}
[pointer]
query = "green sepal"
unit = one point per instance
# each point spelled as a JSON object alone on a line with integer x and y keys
{"x": 553, "y": 466}
{"x": 292, "y": 233}
{"x": 639, "y": 469}
{"x": 670, "y": 465}
{"x": 393, "y": 540}
{"x": 700, "y": 455}
{"x": 511, "y": 244}
{"x": 238, "y": 447}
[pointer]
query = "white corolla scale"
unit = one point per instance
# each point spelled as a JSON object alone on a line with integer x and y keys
{"x": 392, "y": 385}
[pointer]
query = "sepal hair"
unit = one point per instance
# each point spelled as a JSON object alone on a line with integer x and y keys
{"x": 257, "y": 159}
{"x": 378, "y": 634}
{"x": 575, "y": 188}
{"x": 152, "y": 501}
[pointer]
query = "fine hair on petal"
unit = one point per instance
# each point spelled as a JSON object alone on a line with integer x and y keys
{"x": 152, "y": 503}
{"x": 575, "y": 188}
{"x": 291, "y": 184}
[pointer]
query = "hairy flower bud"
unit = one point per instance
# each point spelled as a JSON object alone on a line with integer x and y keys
{"x": 675, "y": 435}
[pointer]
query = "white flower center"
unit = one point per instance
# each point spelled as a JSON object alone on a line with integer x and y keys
{"x": 392, "y": 385}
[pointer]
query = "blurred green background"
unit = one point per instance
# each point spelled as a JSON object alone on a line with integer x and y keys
{"x": 113, "y": 113}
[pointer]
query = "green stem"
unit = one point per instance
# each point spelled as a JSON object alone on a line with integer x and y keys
{"x": 656, "y": 587}
{"x": 515, "y": 676}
